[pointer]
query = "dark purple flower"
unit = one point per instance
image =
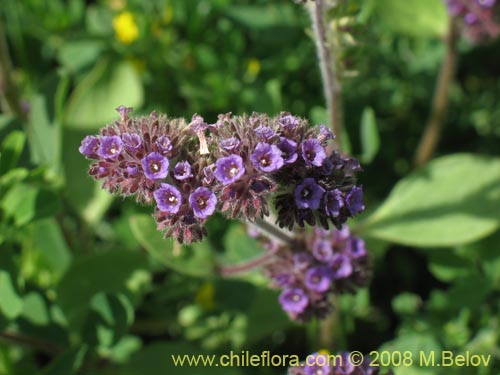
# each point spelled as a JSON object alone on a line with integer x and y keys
{"x": 182, "y": 171}
{"x": 288, "y": 150}
{"x": 168, "y": 198}
{"x": 341, "y": 267}
{"x": 289, "y": 122}
{"x": 264, "y": 133}
{"x": 284, "y": 279}
{"x": 325, "y": 133}
{"x": 164, "y": 144}
{"x": 132, "y": 141}
{"x": 293, "y": 300}
{"x": 357, "y": 248}
{"x": 354, "y": 200}
{"x": 317, "y": 279}
{"x": 327, "y": 168}
{"x": 203, "y": 202}
{"x": 266, "y": 157}
{"x": 230, "y": 144}
{"x": 110, "y": 148}
{"x": 312, "y": 152}
{"x": 317, "y": 364}
{"x": 209, "y": 174}
{"x": 229, "y": 169}
{"x": 155, "y": 166}
{"x": 89, "y": 146}
{"x": 333, "y": 202}
{"x": 308, "y": 194}
{"x": 322, "y": 250}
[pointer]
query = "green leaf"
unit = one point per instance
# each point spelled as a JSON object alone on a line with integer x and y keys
{"x": 239, "y": 246}
{"x": 267, "y": 16}
{"x": 78, "y": 54}
{"x": 11, "y": 304}
{"x": 35, "y": 309}
{"x": 406, "y": 303}
{"x": 11, "y": 150}
{"x": 416, "y": 18}
{"x": 370, "y": 141}
{"x": 67, "y": 363}
{"x": 454, "y": 200}
{"x": 107, "y": 86}
{"x": 195, "y": 260}
{"x": 97, "y": 273}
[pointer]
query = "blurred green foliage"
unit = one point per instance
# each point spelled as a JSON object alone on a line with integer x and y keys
{"x": 88, "y": 286}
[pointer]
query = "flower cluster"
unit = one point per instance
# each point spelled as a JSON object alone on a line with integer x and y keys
{"x": 191, "y": 170}
{"x": 478, "y": 17}
{"x": 326, "y": 364}
{"x": 325, "y": 262}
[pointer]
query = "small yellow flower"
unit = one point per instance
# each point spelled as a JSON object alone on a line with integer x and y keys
{"x": 324, "y": 352}
{"x": 206, "y": 296}
{"x": 126, "y": 29}
{"x": 253, "y": 67}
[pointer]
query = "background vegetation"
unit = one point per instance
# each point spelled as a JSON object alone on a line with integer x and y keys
{"x": 87, "y": 285}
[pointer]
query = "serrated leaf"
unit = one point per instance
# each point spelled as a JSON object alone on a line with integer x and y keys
{"x": 195, "y": 260}
{"x": 107, "y": 86}
{"x": 454, "y": 200}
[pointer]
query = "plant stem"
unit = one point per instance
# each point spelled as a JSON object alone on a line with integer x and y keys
{"x": 35, "y": 343}
{"x": 430, "y": 137}
{"x": 247, "y": 266}
{"x": 329, "y": 75}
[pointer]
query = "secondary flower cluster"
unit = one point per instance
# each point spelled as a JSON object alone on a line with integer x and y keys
{"x": 324, "y": 364}
{"x": 324, "y": 263}
{"x": 191, "y": 170}
{"x": 478, "y": 17}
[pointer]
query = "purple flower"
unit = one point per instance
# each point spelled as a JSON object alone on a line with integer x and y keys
{"x": 230, "y": 144}
{"x": 333, "y": 202}
{"x": 155, "y": 166}
{"x": 317, "y": 364}
{"x": 354, "y": 200}
{"x": 89, "y": 146}
{"x": 132, "y": 170}
{"x": 322, "y": 250}
{"x": 203, "y": 202}
{"x": 182, "y": 171}
{"x": 124, "y": 111}
{"x": 357, "y": 248}
{"x": 341, "y": 267}
{"x": 168, "y": 198}
{"x": 325, "y": 133}
{"x": 229, "y": 169}
{"x": 317, "y": 279}
{"x": 164, "y": 145}
{"x": 312, "y": 152}
{"x": 266, "y": 157}
{"x": 486, "y": 3}
{"x": 301, "y": 260}
{"x": 344, "y": 366}
{"x": 209, "y": 174}
{"x": 288, "y": 150}
{"x": 470, "y": 18}
{"x": 132, "y": 141}
{"x": 293, "y": 300}
{"x": 284, "y": 279}
{"x": 308, "y": 194}
{"x": 289, "y": 122}
{"x": 264, "y": 133}
{"x": 110, "y": 148}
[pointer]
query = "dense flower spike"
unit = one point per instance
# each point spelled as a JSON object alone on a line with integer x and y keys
{"x": 325, "y": 262}
{"x": 235, "y": 166}
{"x": 478, "y": 17}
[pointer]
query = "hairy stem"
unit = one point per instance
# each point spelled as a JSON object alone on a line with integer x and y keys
{"x": 328, "y": 66}
{"x": 430, "y": 137}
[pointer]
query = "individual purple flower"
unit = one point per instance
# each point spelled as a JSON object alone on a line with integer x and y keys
{"x": 333, "y": 202}
{"x": 110, "y": 148}
{"x": 317, "y": 364}
{"x": 354, "y": 200}
{"x": 209, "y": 174}
{"x": 182, "y": 171}
{"x": 325, "y": 133}
{"x": 317, "y": 279}
{"x": 322, "y": 250}
{"x": 155, "y": 166}
{"x": 308, "y": 194}
{"x": 357, "y": 248}
{"x": 486, "y": 3}
{"x": 168, "y": 198}
{"x": 132, "y": 170}
{"x": 89, "y": 146}
{"x": 164, "y": 144}
{"x": 264, "y": 133}
{"x": 289, "y": 122}
{"x": 229, "y": 169}
{"x": 341, "y": 267}
{"x": 293, "y": 300}
{"x": 266, "y": 157}
{"x": 302, "y": 260}
{"x": 132, "y": 141}
{"x": 203, "y": 202}
{"x": 313, "y": 153}
{"x": 230, "y": 144}
{"x": 288, "y": 150}
{"x": 284, "y": 279}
